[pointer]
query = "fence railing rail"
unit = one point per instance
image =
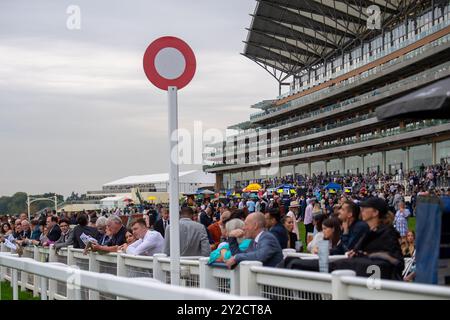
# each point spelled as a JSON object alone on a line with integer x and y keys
{"x": 249, "y": 279}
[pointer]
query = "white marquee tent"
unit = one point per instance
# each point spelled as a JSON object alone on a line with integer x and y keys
{"x": 189, "y": 181}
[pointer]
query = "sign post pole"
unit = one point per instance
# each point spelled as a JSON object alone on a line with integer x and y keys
{"x": 173, "y": 188}
{"x": 169, "y": 64}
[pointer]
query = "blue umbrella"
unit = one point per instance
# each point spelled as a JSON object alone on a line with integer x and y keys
{"x": 333, "y": 185}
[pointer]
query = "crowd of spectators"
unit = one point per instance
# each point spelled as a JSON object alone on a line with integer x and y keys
{"x": 368, "y": 223}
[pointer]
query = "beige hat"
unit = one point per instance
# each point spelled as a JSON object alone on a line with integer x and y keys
{"x": 294, "y": 204}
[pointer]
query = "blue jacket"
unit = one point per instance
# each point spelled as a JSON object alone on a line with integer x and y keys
{"x": 356, "y": 231}
{"x": 280, "y": 232}
{"x": 267, "y": 250}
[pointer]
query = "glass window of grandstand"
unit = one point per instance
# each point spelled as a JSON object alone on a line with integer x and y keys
{"x": 419, "y": 155}
{"x": 248, "y": 176}
{"x": 318, "y": 167}
{"x": 395, "y": 160}
{"x": 236, "y": 178}
{"x": 334, "y": 167}
{"x": 353, "y": 165}
{"x": 287, "y": 171}
{"x": 302, "y": 169}
{"x": 373, "y": 162}
{"x": 227, "y": 181}
{"x": 443, "y": 151}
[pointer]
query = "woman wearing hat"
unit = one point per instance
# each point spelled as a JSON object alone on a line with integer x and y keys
{"x": 294, "y": 207}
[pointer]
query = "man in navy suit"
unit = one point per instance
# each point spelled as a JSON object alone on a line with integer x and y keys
{"x": 274, "y": 225}
{"x": 264, "y": 247}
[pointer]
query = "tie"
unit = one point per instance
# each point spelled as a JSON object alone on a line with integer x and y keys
{"x": 165, "y": 224}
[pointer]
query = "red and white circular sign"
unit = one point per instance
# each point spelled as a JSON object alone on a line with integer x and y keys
{"x": 169, "y": 62}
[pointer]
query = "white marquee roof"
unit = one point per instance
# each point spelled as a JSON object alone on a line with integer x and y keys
{"x": 193, "y": 176}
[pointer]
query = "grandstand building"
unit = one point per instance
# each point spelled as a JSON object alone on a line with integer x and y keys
{"x": 340, "y": 60}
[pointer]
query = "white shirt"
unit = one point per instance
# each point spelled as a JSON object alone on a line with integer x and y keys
{"x": 257, "y": 237}
{"x": 152, "y": 243}
{"x": 315, "y": 241}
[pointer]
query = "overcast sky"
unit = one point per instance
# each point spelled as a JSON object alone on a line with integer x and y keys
{"x": 76, "y": 110}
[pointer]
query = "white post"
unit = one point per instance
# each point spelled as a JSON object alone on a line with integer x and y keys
{"x": 94, "y": 266}
{"x": 23, "y": 281}
{"x": 56, "y": 204}
{"x": 36, "y": 277}
{"x": 235, "y": 282}
{"x": 43, "y": 288}
{"x": 52, "y": 284}
{"x": 2, "y": 269}
{"x": 15, "y": 284}
{"x": 249, "y": 287}
{"x": 173, "y": 188}
{"x": 29, "y": 210}
{"x": 70, "y": 294}
{"x": 338, "y": 289}
{"x": 207, "y": 280}
{"x": 158, "y": 273}
{"x": 121, "y": 268}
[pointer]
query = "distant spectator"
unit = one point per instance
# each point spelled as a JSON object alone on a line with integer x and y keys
{"x": 66, "y": 238}
{"x": 193, "y": 237}
{"x": 83, "y": 228}
{"x": 163, "y": 222}
{"x": 401, "y": 222}
{"x": 54, "y": 231}
{"x": 100, "y": 225}
{"x": 148, "y": 241}
{"x": 129, "y": 237}
{"x": 313, "y": 244}
{"x": 273, "y": 224}
{"x": 408, "y": 245}
{"x": 117, "y": 232}
{"x": 264, "y": 247}
{"x": 288, "y": 223}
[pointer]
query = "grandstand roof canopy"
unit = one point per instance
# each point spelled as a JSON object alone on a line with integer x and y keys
{"x": 193, "y": 176}
{"x": 290, "y": 35}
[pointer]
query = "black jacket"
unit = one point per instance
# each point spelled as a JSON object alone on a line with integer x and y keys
{"x": 159, "y": 226}
{"x": 385, "y": 239}
{"x": 280, "y": 232}
{"x": 78, "y": 231}
{"x": 356, "y": 231}
{"x": 54, "y": 233}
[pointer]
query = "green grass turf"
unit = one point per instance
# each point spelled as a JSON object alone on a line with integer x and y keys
{"x": 7, "y": 293}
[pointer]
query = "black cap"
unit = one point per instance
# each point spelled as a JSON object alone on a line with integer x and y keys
{"x": 376, "y": 203}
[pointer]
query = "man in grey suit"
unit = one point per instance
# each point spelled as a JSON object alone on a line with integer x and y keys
{"x": 66, "y": 238}
{"x": 193, "y": 237}
{"x": 264, "y": 247}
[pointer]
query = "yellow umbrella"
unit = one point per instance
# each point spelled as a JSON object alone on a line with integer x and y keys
{"x": 252, "y": 187}
{"x": 151, "y": 198}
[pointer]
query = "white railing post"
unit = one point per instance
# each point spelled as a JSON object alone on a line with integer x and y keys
{"x": 70, "y": 294}
{"x": 43, "y": 288}
{"x": 248, "y": 285}
{"x": 235, "y": 281}
{"x": 15, "y": 284}
{"x": 52, "y": 284}
{"x": 158, "y": 273}
{"x": 2, "y": 269}
{"x": 94, "y": 266}
{"x": 207, "y": 281}
{"x": 36, "y": 281}
{"x": 339, "y": 289}
{"x": 121, "y": 268}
